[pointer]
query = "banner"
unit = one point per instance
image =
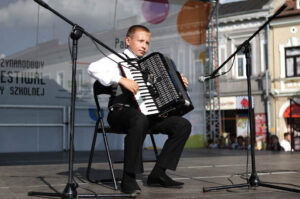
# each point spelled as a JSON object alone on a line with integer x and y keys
{"x": 36, "y": 67}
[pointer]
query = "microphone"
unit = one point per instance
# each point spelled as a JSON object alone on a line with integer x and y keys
{"x": 204, "y": 78}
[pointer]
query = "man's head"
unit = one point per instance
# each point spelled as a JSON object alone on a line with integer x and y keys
{"x": 287, "y": 136}
{"x": 138, "y": 39}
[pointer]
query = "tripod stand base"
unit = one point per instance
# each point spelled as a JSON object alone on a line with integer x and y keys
{"x": 252, "y": 182}
{"x": 60, "y": 195}
{"x": 70, "y": 192}
{"x": 207, "y": 189}
{"x": 279, "y": 187}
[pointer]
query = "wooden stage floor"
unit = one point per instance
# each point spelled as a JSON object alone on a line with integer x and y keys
{"x": 21, "y": 173}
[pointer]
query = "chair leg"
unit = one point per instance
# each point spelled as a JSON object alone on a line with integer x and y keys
{"x": 154, "y": 146}
{"x": 92, "y": 153}
{"x": 108, "y": 155}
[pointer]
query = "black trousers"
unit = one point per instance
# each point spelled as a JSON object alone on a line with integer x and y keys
{"x": 136, "y": 125}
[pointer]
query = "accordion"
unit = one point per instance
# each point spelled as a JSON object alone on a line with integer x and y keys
{"x": 161, "y": 89}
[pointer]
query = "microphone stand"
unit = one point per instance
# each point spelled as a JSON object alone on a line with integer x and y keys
{"x": 253, "y": 181}
{"x": 70, "y": 191}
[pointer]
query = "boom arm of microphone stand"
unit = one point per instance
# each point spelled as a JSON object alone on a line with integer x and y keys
{"x": 43, "y": 4}
{"x": 246, "y": 43}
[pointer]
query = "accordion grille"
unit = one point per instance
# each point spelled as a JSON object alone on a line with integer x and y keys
{"x": 166, "y": 90}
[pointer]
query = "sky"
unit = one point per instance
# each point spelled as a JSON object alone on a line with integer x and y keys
{"x": 18, "y": 20}
{"x": 22, "y": 28}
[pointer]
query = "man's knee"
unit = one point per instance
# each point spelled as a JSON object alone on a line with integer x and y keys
{"x": 184, "y": 126}
{"x": 187, "y": 125}
{"x": 140, "y": 121}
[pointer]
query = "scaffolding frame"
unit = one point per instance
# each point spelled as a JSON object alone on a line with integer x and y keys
{"x": 213, "y": 117}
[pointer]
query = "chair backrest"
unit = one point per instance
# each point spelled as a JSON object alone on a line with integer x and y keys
{"x": 99, "y": 89}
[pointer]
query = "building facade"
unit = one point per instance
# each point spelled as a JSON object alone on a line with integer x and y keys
{"x": 285, "y": 69}
{"x": 238, "y": 21}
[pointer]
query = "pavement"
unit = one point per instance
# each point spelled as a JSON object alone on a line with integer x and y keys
{"x": 199, "y": 169}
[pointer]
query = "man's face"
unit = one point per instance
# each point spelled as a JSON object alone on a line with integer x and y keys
{"x": 139, "y": 43}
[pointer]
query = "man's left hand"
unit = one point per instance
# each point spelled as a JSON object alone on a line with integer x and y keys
{"x": 185, "y": 81}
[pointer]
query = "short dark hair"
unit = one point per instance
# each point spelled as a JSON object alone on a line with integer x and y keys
{"x": 134, "y": 28}
{"x": 286, "y": 134}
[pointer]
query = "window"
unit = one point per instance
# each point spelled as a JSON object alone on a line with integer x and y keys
{"x": 292, "y": 61}
{"x": 222, "y": 57}
{"x": 79, "y": 79}
{"x": 298, "y": 4}
{"x": 241, "y": 65}
{"x": 60, "y": 79}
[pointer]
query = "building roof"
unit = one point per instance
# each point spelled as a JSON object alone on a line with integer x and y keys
{"x": 246, "y": 6}
{"x": 290, "y": 10}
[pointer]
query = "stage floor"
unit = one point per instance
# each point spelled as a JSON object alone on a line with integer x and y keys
{"x": 21, "y": 173}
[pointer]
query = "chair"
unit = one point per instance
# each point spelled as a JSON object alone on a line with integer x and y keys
{"x": 99, "y": 89}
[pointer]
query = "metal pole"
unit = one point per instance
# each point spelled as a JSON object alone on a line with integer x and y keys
{"x": 267, "y": 99}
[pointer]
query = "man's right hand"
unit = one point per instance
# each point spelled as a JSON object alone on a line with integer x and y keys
{"x": 129, "y": 84}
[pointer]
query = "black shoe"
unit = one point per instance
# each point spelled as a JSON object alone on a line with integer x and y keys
{"x": 137, "y": 188}
{"x": 130, "y": 187}
{"x": 163, "y": 181}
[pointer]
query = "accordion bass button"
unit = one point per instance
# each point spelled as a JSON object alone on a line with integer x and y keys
{"x": 187, "y": 103}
